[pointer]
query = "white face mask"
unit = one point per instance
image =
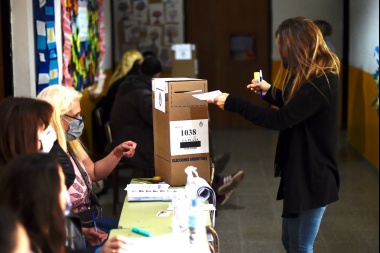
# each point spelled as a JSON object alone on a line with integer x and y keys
{"x": 47, "y": 139}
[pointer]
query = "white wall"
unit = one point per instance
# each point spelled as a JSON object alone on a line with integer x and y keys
{"x": 107, "y": 64}
{"x": 23, "y": 48}
{"x": 329, "y": 10}
{"x": 364, "y": 34}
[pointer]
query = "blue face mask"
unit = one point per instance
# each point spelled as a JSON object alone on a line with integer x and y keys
{"x": 75, "y": 128}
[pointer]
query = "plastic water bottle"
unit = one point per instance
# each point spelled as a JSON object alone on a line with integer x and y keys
{"x": 180, "y": 213}
{"x": 197, "y": 228}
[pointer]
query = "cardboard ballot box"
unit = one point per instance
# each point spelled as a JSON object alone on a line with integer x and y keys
{"x": 180, "y": 127}
{"x": 184, "y": 61}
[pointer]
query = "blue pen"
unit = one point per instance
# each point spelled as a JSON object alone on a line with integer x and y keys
{"x": 261, "y": 79}
{"x": 142, "y": 232}
{"x": 96, "y": 227}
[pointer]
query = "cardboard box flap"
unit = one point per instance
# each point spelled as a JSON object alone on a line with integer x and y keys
{"x": 182, "y": 93}
{"x": 163, "y": 82}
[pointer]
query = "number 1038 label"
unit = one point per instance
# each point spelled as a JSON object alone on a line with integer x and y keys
{"x": 189, "y": 137}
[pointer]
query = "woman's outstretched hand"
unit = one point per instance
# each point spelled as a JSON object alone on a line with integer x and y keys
{"x": 219, "y": 100}
{"x": 126, "y": 149}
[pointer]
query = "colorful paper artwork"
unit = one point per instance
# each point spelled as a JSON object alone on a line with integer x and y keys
{"x": 375, "y": 103}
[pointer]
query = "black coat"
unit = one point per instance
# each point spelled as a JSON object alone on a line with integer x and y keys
{"x": 132, "y": 119}
{"x": 307, "y": 154}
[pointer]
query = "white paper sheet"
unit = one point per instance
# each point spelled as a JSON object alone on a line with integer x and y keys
{"x": 208, "y": 95}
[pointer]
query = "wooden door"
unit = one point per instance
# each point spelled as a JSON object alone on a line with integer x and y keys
{"x": 211, "y": 25}
{"x": 6, "y": 67}
{"x": 1, "y": 56}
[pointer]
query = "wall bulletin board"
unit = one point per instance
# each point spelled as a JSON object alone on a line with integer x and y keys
{"x": 153, "y": 25}
{"x": 69, "y": 42}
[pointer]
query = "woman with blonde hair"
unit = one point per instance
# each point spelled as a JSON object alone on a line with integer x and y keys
{"x": 306, "y": 92}
{"x": 68, "y": 124}
{"x": 126, "y": 65}
{"x": 129, "y": 65}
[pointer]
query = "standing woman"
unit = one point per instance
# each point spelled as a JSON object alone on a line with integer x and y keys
{"x": 306, "y": 92}
{"x": 68, "y": 124}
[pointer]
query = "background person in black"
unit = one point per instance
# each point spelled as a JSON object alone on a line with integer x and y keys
{"x": 307, "y": 118}
{"x": 130, "y": 65}
{"x": 326, "y": 30}
{"x": 131, "y": 115}
{"x": 132, "y": 118}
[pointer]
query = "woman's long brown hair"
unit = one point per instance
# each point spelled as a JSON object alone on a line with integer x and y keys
{"x": 30, "y": 187}
{"x": 21, "y": 117}
{"x": 304, "y": 55}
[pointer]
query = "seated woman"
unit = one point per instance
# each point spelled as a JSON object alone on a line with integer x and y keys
{"x": 68, "y": 124}
{"x": 13, "y": 236}
{"x": 129, "y": 65}
{"x": 33, "y": 187}
{"x": 24, "y": 128}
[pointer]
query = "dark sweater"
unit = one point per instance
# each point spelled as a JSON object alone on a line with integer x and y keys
{"x": 65, "y": 163}
{"x": 306, "y": 155}
{"x": 132, "y": 119}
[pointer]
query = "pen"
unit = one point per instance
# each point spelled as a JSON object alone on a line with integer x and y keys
{"x": 96, "y": 227}
{"x": 261, "y": 79}
{"x": 258, "y": 76}
{"x": 142, "y": 232}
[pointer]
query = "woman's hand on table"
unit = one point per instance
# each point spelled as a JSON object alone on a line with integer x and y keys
{"x": 115, "y": 244}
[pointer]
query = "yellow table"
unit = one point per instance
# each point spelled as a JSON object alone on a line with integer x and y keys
{"x": 145, "y": 215}
{"x": 149, "y": 216}
{"x": 155, "y": 218}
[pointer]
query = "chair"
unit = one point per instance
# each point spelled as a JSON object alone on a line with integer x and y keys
{"x": 99, "y": 135}
{"x": 130, "y": 172}
{"x": 104, "y": 147}
{"x": 214, "y": 247}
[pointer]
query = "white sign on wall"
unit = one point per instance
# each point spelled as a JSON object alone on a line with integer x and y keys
{"x": 189, "y": 137}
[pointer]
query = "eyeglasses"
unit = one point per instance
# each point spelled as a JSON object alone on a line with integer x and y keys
{"x": 79, "y": 120}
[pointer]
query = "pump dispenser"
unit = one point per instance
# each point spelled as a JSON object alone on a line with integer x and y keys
{"x": 190, "y": 188}
{"x": 196, "y": 216}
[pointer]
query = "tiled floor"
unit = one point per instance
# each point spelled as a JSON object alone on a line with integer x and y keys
{"x": 251, "y": 220}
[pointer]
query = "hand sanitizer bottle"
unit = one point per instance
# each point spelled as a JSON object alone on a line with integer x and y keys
{"x": 197, "y": 228}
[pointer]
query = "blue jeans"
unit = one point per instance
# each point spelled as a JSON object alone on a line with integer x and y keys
{"x": 298, "y": 234}
{"x": 107, "y": 223}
